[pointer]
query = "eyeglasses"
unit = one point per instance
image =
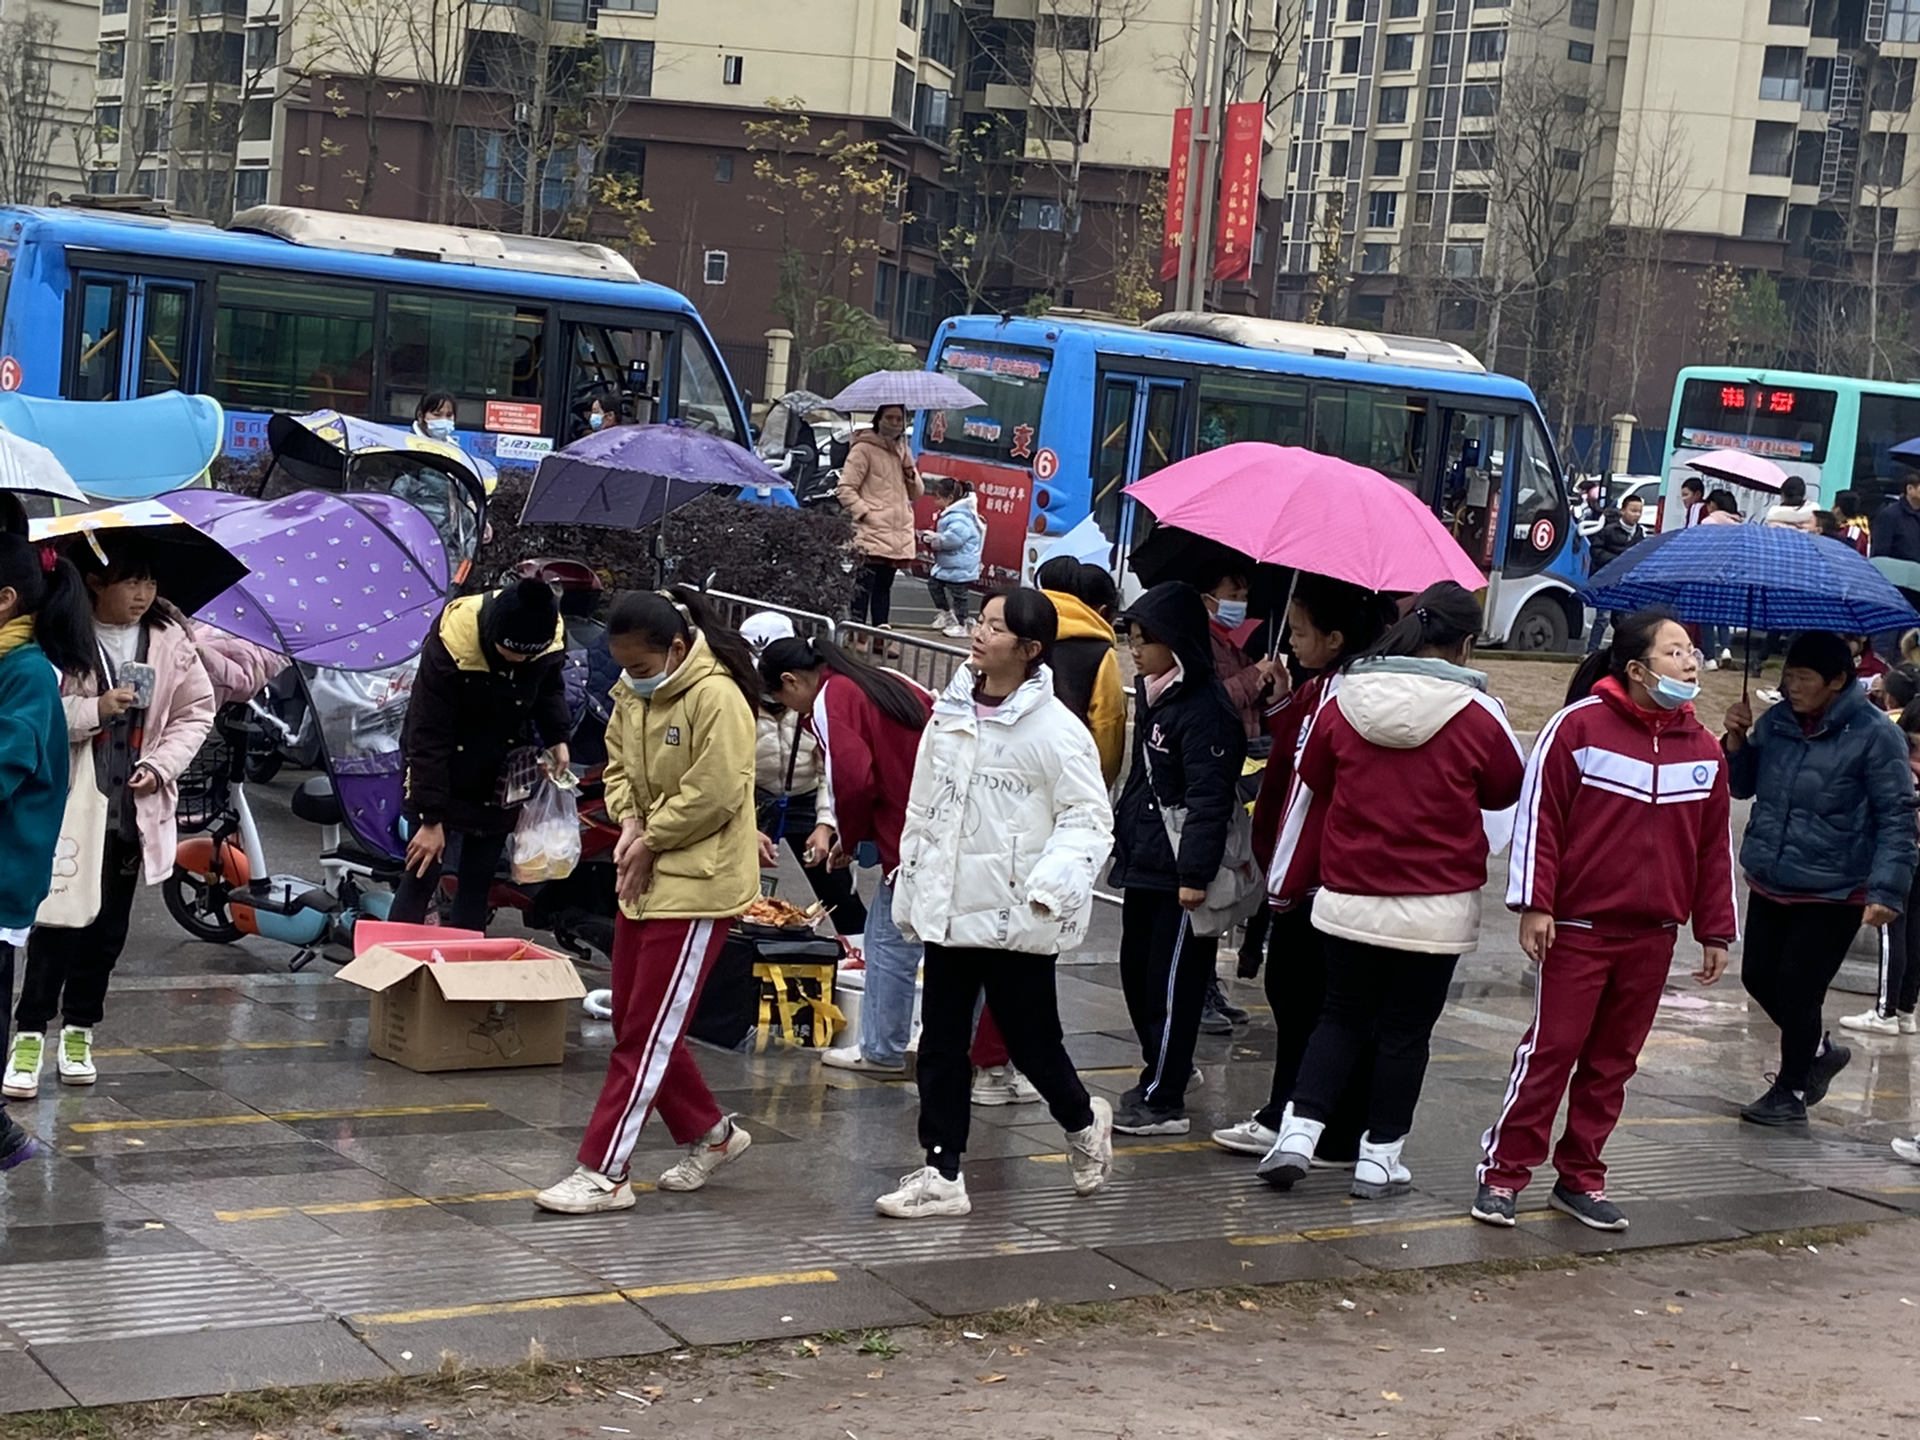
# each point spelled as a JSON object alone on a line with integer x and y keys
{"x": 992, "y": 627}
{"x": 1678, "y": 653}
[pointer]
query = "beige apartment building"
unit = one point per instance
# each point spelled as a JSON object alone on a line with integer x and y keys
{"x": 48, "y": 78}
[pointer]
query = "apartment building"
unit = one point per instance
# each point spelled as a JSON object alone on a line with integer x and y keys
{"x": 47, "y": 106}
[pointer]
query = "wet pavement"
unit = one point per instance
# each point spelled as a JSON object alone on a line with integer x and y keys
{"x": 247, "y": 1198}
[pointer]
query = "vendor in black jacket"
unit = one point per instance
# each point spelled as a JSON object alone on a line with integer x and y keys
{"x": 489, "y": 690}
{"x": 1188, "y": 749}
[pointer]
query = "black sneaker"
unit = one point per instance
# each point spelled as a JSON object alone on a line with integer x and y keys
{"x": 1777, "y": 1107}
{"x": 1494, "y": 1206}
{"x": 1826, "y": 1065}
{"x": 1590, "y": 1207}
{"x": 1138, "y": 1119}
{"x": 16, "y": 1145}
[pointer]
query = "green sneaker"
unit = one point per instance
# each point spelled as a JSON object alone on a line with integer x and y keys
{"x": 22, "y": 1080}
{"x": 76, "y": 1057}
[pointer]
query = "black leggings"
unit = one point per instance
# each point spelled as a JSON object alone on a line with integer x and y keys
{"x": 1791, "y": 955}
{"x": 473, "y": 871}
{"x": 873, "y": 593}
{"x": 68, "y": 970}
{"x": 1020, "y": 993}
{"x": 1387, "y": 999}
{"x": 1900, "y": 960}
{"x": 1164, "y": 970}
{"x": 1297, "y": 993}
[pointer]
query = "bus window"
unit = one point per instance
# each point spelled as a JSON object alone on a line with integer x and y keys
{"x": 164, "y": 336}
{"x": 479, "y": 350}
{"x": 94, "y": 357}
{"x": 1236, "y": 407}
{"x": 1383, "y": 430}
{"x": 617, "y": 365}
{"x": 1885, "y": 421}
{"x": 1013, "y": 381}
{"x": 699, "y": 394}
{"x": 1538, "y": 524}
{"x": 1780, "y": 422}
{"x": 1469, "y": 497}
{"x": 286, "y": 344}
{"x": 1139, "y": 418}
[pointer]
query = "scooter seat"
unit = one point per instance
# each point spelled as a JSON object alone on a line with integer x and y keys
{"x": 315, "y": 802}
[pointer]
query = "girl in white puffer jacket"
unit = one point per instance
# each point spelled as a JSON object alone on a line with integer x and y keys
{"x": 1007, "y": 826}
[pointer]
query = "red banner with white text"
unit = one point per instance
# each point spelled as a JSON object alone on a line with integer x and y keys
{"x": 1239, "y": 193}
{"x": 1176, "y": 193}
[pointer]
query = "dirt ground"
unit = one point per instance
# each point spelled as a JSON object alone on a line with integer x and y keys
{"x": 1808, "y": 1335}
{"x": 1533, "y": 689}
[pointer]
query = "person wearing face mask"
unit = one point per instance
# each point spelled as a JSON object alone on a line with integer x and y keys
{"x": 490, "y": 693}
{"x": 600, "y": 415}
{"x": 680, "y": 785}
{"x": 878, "y": 486}
{"x": 1599, "y": 918}
{"x": 1829, "y": 847}
{"x": 433, "y": 417}
{"x": 1250, "y": 684}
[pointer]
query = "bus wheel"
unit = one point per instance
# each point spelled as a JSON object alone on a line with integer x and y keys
{"x": 1541, "y": 625}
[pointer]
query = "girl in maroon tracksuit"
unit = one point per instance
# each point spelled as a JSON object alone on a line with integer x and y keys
{"x": 1623, "y": 833}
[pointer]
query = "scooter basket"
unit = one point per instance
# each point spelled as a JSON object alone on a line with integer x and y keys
{"x": 203, "y": 785}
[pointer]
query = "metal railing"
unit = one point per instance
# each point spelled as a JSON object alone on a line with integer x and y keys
{"x": 734, "y": 609}
{"x": 928, "y": 663}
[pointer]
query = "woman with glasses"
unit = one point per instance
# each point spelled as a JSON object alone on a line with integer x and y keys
{"x": 1623, "y": 834}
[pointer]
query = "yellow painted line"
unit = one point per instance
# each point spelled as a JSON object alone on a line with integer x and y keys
{"x": 213, "y": 1049}
{"x": 507, "y": 1307}
{"x": 1290, "y": 1238}
{"x": 1171, "y": 1147}
{"x": 395, "y": 1202}
{"x": 739, "y": 1282}
{"x": 194, "y": 1122}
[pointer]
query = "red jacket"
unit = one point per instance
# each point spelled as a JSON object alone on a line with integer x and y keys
{"x": 1625, "y": 822}
{"x": 869, "y": 765}
{"x": 1286, "y": 722}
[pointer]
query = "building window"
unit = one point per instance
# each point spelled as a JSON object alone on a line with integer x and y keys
{"x": 1479, "y": 101}
{"x": 1337, "y": 156}
{"x": 113, "y": 7}
{"x": 632, "y": 7}
{"x": 113, "y": 59}
{"x": 1584, "y": 14}
{"x": 916, "y": 307}
{"x": 216, "y": 58}
{"x": 1037, "y": 213}
{"x": 1343, "y": 107}
{"x": 1809, "y": 151}
{"x": 1440, "y": 50}
{"x": 1580, "y": 52}
{"x": 103, "y": 182}
{"x": 626, "y": 67}
{"x": 1356, "y": 9}
{"x": 1383, "y": 209}
{"x": 1063, "y": 32}
{"x": 903, "y": 83}
{"x": 1903, "y": 20}
{"x": 1474, "y": 152}
{"x": 1469, "y": 208}
{"x": 1423, "y": 209}
{"x": 1491, "y": 4}
{"x": 106, "y": 124}
{"x": 1387, "y": 156}
{"x": 250, "y": 187}
{"x": 1780, "y": 72}
{"x": 1059, "y": 126}
{"x": 1883, "y": 160}
{"x": 1565, "y": 158}
{"x": 1436, "y": 101}
{"x": 1397, "y": 53}
{"x": 1764, "y": 216}
{"x": 1891, "y": 88}
{"x": 1772, "y": 148}
{"x": 886, "y": 278}
{"x": 1429, "y": 156}
{"x": 1817, "y": 81}
{"x": 723, "y": 169}
{"x": 1459, "y": 315}
{"x": 909, "y": 13}
{"x": 1484, "y": 47}
{"x": 1376, "y": 259}
{"x": 1402, "y": 9}
{"x": 715, "y": 272}
{"x": 1794, "y": 12}
{"x": 1462, "y": 261}
{"x": 1350, "y": 55}
{"x": 1393, "y": 104}
{"x": 625, "y": 160}
{"x": 489, "y": 165}
{"x": 932, "y": 113}
{"x": 263, "y": 48}
{"x": 732, "y": 68}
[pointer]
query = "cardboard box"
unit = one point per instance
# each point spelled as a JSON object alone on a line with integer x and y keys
{"x": 466, "y": 1004}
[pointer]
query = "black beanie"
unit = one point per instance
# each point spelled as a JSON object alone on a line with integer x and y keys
{"x": 521, "y": 618}
{"x": 1823, "y": 652}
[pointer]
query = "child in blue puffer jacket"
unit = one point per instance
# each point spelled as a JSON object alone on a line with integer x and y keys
{"x": 956, "y": 541}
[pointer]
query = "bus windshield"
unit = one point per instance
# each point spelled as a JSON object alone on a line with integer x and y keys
{"x": 1012, "y": 379}
{"x": 1778, "y": 421}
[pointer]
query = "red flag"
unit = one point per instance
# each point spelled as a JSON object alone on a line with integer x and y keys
{"x": 1239, "y": 193}
{"x": 1176, "y": 193}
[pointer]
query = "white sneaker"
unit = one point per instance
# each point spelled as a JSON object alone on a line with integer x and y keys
{"x": 586, "y": 1192}
{"x": 1249, "y": 1137}
{"x": 1378, "y": 1173}
{"x": 1023, "y": 1091}
{"x": 850, "y": 1057}
{"x": 1871, "y": 1022}
{"x": 702, "y": 1159}
{"x": 942, "y": 619}
{"x": 1090, "y": 1151}
{"x": 1711, "y": 665}
{"x": 1908, "y": 1150}
{"x": 1726, "y": 658}
{"x": 957, "y": 631}
{"x": 990, "y": 1085}
{"x": 74, "y": 1058}
{"x": 924, "y": 1194}
{"x": 22, "y": 1080}
{"x": 1905, "y": 1019}
{"x": 1292, "y": 1154}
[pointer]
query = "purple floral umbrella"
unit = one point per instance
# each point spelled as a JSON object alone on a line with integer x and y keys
{"x": 346, "y": 581}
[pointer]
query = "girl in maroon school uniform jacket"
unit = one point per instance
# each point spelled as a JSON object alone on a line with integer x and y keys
{"x": 1623, "y": 834}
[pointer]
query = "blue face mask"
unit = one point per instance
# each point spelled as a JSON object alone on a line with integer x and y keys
{"x": 644, "y": 688}
{"x": 1670, "y": 694}
{"x": 596, "y": 420}
{"x": 440, "y": 428}
{"x": 1231, "y": 613}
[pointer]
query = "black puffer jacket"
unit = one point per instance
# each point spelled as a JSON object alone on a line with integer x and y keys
{"x": 1187, "y": 751}
{"x": 468, "y": 711}
{"x": 1614, "y": 539}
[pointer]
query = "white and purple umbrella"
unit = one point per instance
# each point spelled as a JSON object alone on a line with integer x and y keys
{"x": 914, "y": 389}
{"x": 350, "y": 582}
{"x": 1737, "y": 467}
{"x": 632, "y": 475}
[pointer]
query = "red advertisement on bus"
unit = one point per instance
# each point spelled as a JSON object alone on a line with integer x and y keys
{"x": 1004, "y": 494}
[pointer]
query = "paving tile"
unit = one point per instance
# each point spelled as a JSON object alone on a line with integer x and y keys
{"x": 592, "y": 1327}
{"x": 1460, "y": 1240}
{"x": 974, "y": 1286}
{"x": 209, "y": 1362}
{"x": 850, "y": 1300}
{"x": 1793, "y": 1210}
{"x": 299, "y": 1157}
{"x": 25, "y": 1386}
{"x": 88, "y": 1240}
{"x": 1216, "y": 1264}
{"x": 1651, "y": 1223}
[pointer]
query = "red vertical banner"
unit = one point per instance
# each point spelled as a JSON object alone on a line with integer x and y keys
{"x": 1239, "y": 192}
{"x": 1176, "y": 193}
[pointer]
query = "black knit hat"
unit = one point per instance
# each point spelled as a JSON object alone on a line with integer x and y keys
{"x": 1822, "y": 652}
{"x": 521, "y": 619}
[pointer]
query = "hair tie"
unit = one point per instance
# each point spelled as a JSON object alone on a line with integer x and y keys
{"x": 49, "y": 557}
{"x": 1421, "y": 611}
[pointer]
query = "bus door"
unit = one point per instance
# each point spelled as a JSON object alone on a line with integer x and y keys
{"x": 1137, "y": 431}
{"x": 618, "y": 359}
{"x": 1468, "y": 498}
{"x": 130, "y": 336}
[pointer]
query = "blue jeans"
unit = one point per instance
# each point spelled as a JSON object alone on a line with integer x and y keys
{"x": 886, "y": 1004}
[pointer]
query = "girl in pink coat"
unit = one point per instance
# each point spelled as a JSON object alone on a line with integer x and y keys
{"x": 134, "y": 752}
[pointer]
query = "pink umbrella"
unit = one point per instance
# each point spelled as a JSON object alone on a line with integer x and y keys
{"x": 1287, "y": 506}
{"x": 1737, "y": 467}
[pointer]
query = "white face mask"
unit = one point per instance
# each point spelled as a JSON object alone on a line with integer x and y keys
{"x": 440, "y": 427}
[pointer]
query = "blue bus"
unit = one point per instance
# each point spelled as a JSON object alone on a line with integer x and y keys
{"x": 298, "y": 310}
{"x": 1077, "y": 409}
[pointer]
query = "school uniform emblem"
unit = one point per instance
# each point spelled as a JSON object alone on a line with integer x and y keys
{"x": 673, "y": 734}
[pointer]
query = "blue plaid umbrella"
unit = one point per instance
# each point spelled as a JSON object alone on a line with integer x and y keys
{"x": 1760, "y": 576}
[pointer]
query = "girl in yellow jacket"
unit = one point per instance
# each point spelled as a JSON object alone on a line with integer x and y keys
{"x": 680, "y": 782}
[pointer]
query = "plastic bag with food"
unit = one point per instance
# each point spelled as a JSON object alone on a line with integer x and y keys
{"x": 546, "y": 841}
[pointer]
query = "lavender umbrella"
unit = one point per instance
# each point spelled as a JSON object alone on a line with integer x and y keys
{"x": 631, "y": 475}
{"x": 352, "y": 582}
{"x": 915, "y": 389}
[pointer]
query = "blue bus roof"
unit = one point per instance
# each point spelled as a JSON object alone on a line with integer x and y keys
{"x": 194, "y": 242}
{"x": 1113, "y": 338}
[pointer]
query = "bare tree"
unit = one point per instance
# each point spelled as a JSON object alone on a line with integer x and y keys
{"x": 436, "y": 32}
{"x": 29, "y": 108}
{"x": 1652, "y": 199}
{"x": 983, "y": 168}
{"x": 357, "y": 49}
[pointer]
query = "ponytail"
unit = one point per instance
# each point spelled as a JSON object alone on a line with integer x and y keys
{"x": 679, "y": 613}
{"x": 1632, "y": 634}
{"x": 889, "y": 694}
{"x": 52, "y": 592}
{"x": 1440, "y": 617}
